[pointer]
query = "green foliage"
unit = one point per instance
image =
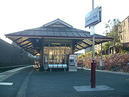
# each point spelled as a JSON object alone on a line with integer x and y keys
{"x": 112, "y": 30}
{"x": 107, "y": 45}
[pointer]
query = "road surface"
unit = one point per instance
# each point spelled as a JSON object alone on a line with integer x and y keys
{"x": 31, "y": 83}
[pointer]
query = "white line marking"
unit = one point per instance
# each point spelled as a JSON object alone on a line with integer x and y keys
{"x": 6, "y": 83}
{"x": 10, "y": 73}
{"x": 23, "y": 89}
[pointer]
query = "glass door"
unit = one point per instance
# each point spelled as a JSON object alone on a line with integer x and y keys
{"x": 56, "y": 55}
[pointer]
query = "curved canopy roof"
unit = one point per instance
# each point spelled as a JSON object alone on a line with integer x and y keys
{"x": 56, "y": 29}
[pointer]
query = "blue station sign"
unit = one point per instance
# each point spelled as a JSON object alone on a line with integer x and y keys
{"x": 93, "y": 17}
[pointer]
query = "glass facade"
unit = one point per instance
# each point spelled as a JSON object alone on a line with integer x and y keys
{"x": 56, "y": 55}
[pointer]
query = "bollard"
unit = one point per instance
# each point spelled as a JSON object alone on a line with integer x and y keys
{"x": 93, "y": 74}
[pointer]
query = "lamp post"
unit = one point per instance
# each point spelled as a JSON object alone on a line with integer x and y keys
{"x": 93, "y": 18}
{"x": 93, "y": 64}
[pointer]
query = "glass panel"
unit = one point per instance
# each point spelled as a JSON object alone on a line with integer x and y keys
{"x": 57, "y": 55}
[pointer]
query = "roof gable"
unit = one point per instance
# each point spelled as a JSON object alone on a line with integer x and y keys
{"x": 57, "y": 23}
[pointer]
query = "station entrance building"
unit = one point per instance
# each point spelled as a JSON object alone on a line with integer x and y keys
{"x": 54, "y": 41}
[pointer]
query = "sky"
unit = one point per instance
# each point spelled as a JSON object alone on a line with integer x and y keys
{"x": 18, "y": 15}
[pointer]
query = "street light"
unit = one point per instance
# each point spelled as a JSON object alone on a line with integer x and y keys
{"x": 93, "y": 64}
{"x": 93, "y": 18}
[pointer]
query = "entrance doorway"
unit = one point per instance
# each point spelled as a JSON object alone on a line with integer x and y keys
{"x": 56, "y": 55}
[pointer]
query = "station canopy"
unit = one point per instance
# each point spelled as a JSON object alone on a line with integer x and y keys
{"x": 57, "y": 30}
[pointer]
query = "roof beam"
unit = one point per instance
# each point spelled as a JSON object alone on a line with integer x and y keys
{"x": 80, "y": 45}
{"x": 23, "y": 41}
{"x": 77, "y": 48}
{"x": 91, "y": 44}
{"x": 97, "y": 43}
{"x": 85, "y": 42}
{"x": 25, "y": 44}
{"x": 77, "y": 43}
{"x": 29, "y": 46}
{"x": 17, "y": 39}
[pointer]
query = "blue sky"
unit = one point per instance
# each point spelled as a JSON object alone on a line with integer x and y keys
{"x": 17, "y": 15}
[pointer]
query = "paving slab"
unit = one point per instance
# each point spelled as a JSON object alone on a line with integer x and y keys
{"x": 88, "y": 88}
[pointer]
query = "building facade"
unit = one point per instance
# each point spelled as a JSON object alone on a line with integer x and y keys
{"x": 124, "y": 31}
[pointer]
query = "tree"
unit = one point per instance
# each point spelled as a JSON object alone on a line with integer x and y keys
{"x": 112, "y": 30}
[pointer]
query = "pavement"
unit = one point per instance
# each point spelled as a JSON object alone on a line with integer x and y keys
{"x": 7, "y": 74}
{"x": 107, "y": 71}
{"x": 31, "y": 83}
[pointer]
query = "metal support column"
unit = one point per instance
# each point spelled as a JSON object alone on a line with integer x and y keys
{"x": 42, "y": 55}
{"x": 101, "y": 57}
{"x": 93, "y": 64}
{"x": 72, "y": 47}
